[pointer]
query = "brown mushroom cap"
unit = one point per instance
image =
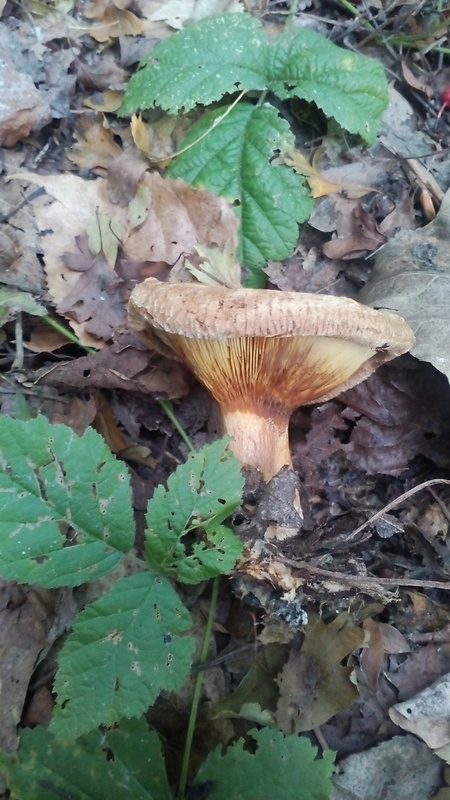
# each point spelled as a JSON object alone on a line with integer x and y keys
{"x": 263, "y": 353}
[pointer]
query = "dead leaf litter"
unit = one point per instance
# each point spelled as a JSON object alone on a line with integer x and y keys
{"x": 341, "y": 633}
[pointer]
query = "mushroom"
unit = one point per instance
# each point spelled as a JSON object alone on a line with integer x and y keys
{"x": 262, "y": 353}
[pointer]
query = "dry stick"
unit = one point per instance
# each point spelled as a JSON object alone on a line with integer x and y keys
{"x": 18, "y": 359}
{"x": 355, "y": 580}
{"x": 398, "y": 500}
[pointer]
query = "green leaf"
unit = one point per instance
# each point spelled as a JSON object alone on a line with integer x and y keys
{"x": 200, "y": 494}
{"x": 282, "y": 767}
{"x": 216, "y": 56}
{"x": 124, "y": 649}
{"x": 229, "y": 52}
{"x": 347, "y": 86}
{"x": 125, "y": 762}
{"x": 58, "y": 489}
{"x": 12, "y": 301}
{"x": 234, "y": 160}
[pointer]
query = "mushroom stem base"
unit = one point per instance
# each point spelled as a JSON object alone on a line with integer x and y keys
{"x": 258, "y": 441}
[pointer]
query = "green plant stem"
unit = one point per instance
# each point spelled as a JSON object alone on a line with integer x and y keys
{"x": 197, "y": 691}
{"x": 168, "y": 408}
{"x": 67, "y": 333}
{"x": 291, "y": 14}
{"x": 350, "y": 7}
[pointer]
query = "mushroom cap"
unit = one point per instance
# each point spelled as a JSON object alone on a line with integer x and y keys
{"x": 276, "y": 350}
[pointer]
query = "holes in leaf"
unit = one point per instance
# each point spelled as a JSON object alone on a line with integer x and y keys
{"x": 40, "y": 559}
{"x": 109, "y": 754}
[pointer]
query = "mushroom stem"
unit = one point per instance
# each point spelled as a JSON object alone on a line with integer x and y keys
{"x": 258, "y": 440}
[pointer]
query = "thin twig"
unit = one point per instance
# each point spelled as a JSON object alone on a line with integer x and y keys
{"x": 362, "y": 580}
{"x": 396, "y": 502}
{"x": 17, "y": 364}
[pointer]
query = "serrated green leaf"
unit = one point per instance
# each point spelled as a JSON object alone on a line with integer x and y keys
{"x": 347, "y": 86}
{"x": 123, "y": 650}
{"x": 234, "y": 160}
{"x": 58, "y": 489}
{"x": 49, "y": 769}
{"x": 215, "y": 556}
{"x": 229, "y": 52}
{"x": 200, "y": 494}
{"x": 216, "y": 56}
{"x": 282, "y": 767}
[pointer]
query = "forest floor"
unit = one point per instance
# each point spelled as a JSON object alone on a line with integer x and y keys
{"x": 370, "y": 626}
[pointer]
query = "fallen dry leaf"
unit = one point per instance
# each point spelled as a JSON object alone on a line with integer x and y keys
{"x": 318, "y": 184}
{"x": 427, "y": 714}
{"x": 95, "y": 301}
{"x": 22, "y": 107}
{"x": 421, "y": 669}
{"x": 123, "y": 365}
{"x": 314, "y": 685}
{"x": 113, "y": 18}
{"x": 179, "y": 218}
{"x": 215, "y": 265}
{"x": 357, "y": 234}
{"x": 25, "y": 620}
{"x": 179, "y": 13}
{"x": 383, "y": 638}
{"x": 19, "y": 242}
{"x": 412, "y": 277}
{"x": 403, "y": 412}
{"x": 95, "y": 147}
{"x": 141, "y": 134}
{"x": 422, "y": 83}
{"x": 399, "y": 768}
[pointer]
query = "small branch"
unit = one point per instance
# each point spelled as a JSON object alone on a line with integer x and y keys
{"x": 396, "y": 502}
{"x": 357, "y": 580}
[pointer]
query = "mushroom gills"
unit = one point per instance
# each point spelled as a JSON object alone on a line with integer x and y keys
{"x": 258, "y": 382}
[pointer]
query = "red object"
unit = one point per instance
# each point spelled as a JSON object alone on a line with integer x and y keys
{"x": 445, "y": 100}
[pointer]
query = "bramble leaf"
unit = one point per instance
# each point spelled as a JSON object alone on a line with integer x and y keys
{"x": 347, "y": 86}
{"x": 125, "y": 762}
{"x": 234, "y": 160}
{"x": 123, "y": 650}
{"x": 282, "y": 767}
{"x": 231, "y": 148}
{"x": 200, "y": 494}
{"x": 219, "y": 55}
{"x": 226, "y": 53}
{"x": 65, "y": 504}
